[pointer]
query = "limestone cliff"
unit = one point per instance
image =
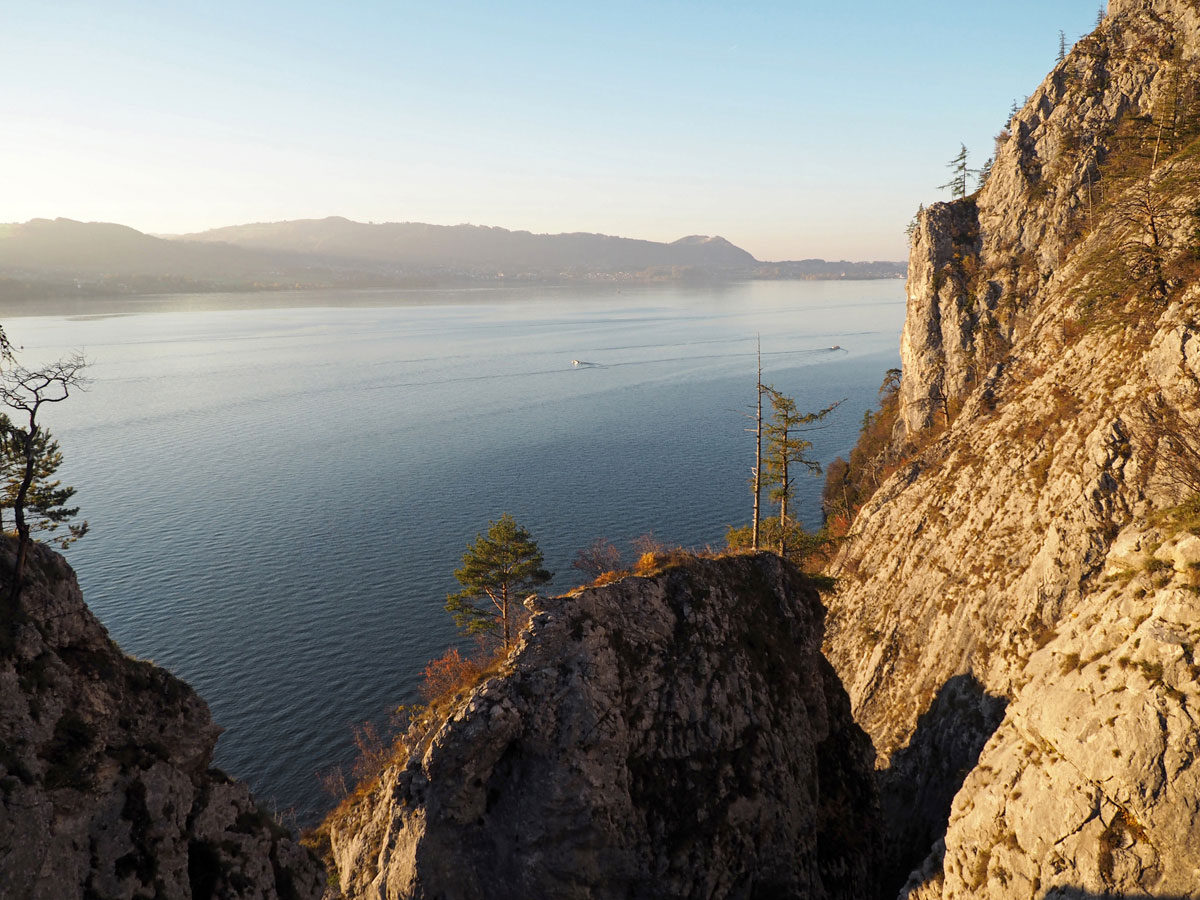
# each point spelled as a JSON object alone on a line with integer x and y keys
{"x": 1122, "y": 103}
{"x": 678, "y": 735}
{"x": 992, "y": 623}
{"x": 106, "y": 789}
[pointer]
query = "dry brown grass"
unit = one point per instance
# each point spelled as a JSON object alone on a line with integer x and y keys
{"x": 609, "y": 577}
{"x": 445, "y": 682}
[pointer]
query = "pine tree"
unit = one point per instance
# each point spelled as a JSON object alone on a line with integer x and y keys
{"x": 498, "y": 571}
{"x": 957, "y": 185}
{"x": 787, "y": 450}
{"x": 912, "y": 226}
{"x": 45, "y": 500}
{"x": 599, "y": 557}
{"x": 26, "y": 391}
{"x": 1062, "y": 46}
{"x": 985, "y": 171}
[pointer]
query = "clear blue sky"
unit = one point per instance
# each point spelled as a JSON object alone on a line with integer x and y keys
{"x": 792, "y": 129}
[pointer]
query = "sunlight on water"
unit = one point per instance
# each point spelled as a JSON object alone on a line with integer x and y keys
{"x": 279, "y": 496}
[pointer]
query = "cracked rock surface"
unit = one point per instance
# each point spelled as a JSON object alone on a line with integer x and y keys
{"x": 106, "y": 789}
{"x": 1017, "y": 608}
{"x": 678, "y": 735}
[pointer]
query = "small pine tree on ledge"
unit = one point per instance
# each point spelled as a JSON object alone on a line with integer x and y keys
{"x": 497, "y": 573}
{"x": 957, "y": 185}
{"x": 46, "y": 500}
{"x": 31, "y": 455}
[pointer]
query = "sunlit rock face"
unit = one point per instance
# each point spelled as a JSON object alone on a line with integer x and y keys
{"x": 983, "y": 268}
{"x": 106, "y": 789}
{"x": 1016, "y": 612}
{"x": 677, "y": 735}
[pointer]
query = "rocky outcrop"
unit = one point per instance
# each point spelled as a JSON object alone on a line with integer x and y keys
{"x": 937, "y": 344}
{"x": 106, "y": 789}
{"x": 1123, "y": 102}
{"x": 1091, "y": 779}
{"x": 678, "y": 735}
{"x": 1015, "y": 551}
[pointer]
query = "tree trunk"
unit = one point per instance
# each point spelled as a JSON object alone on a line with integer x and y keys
{"x": 784, "y": 487}
{"x": 19, "y": 515}
{"x": 1160, "y": 283}
{"x": 757, "y": 451}
{"x": 757, "y": 459}
{"x": 504, "y": 614}
{"x": 757, "y": 479}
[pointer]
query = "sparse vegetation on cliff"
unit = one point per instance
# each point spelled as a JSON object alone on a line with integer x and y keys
{"x": 786, "y": 451}
{"x": 850, "y": 483}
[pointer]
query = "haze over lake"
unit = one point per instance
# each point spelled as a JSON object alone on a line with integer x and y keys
{"x": 280, "y": 486}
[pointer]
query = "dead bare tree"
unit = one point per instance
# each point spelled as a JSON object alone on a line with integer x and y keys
{"x": 936, "y": 401}
{"x": 758, "y": 433}
{"x": 1148, "y": 217}
{"x": 1174, "y": 444}
{"x": 756, "y": 472}
{"x": 598, "y": 557}
{"x": 26, "y": 391}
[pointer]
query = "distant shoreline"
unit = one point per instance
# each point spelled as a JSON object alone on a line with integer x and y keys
{"x": 62, "y": 258}
{"x": 18, "y": 290}
{"x": 84, "y": 304}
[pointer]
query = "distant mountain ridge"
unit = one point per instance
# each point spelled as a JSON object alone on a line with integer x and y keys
{"x": 474, "y": 246}
{"x": 52, "y": 257}
{"x": 65, "y": 246}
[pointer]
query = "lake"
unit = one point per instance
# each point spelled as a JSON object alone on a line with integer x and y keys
{"x": 280, "y": 486}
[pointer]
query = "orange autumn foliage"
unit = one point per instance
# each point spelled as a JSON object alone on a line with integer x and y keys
{"x": 450, "y": 673}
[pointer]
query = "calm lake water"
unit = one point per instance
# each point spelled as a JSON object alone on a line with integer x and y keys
{"x": 281, "y": 486}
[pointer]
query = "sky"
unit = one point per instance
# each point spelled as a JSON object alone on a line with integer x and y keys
{"x": 794, "y": 129}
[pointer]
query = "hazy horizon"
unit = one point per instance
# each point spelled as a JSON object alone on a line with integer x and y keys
{"x": 793, "y": 131}
{"x": 488, "y": 225}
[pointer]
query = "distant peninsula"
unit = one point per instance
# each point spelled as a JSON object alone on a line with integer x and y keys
{"x": 57, "y": 257}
